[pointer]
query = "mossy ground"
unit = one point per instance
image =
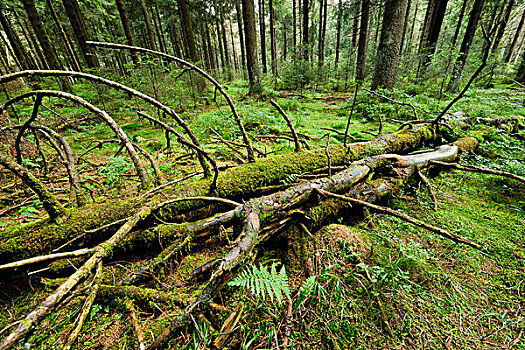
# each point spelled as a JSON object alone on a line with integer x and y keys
{"x": 414, "y": 290}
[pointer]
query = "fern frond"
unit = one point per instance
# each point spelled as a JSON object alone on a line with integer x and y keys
{"x": 264, "y": 283}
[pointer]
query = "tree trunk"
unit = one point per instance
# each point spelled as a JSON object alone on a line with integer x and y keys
{"x": 223, "y": 36}
{"x": 503, "y": 25}
{"x": 306, "y": 38}
{"x": 405, "y": 25}
{"x": 363, "y": 41}
{"x": 187, "y": 30}
{"x": 355, "y": 25}
{"x": 174, "y": 37}
{"x": 45, "y": 43}
{"x": 273, "y": 40}
{"x": 389, "y": 46}
{"x": 262, "y": 32}
{"x": 338, "y": 33}
{"x": 520, "y": 76}
{"x": 294, "y": 11}
{"x": 79, "y": 30}
{"x": 150, "y": 38}
{"x": 460, "y": 21}
{"x": 127, "y": 30}
{"x": 32, "y": 41}
{"x": 241, "y": 33}
{"x": 65, "y": 38}
{"x": 409, "y": 41}
{"x": 431, "y": 34}
{"x": 16, "y": 45}
{"x": 250, "y": 34}
{"x": 508, "y": 53}
{"x": 475, "y": 14}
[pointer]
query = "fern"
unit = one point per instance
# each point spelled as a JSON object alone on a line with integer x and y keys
{"x": 264, "y": 283}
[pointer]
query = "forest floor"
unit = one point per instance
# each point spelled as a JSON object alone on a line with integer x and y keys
{"x": 408, "y": 288}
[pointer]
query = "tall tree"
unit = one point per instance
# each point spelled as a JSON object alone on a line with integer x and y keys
{"x": 241, "y": 33}
{"x": 262, "y": 32}
{"x": 460, "y": 21}
{"x": 250, "y": 34}
{"x": 187, "y": 30}
{"x": 362, "y": 44}
{"x": 306, "y": 39}
{"x": 273, "y": 39}
{"x": 503, "y": 25}
{"x": 520, "y": 76}
{"x": 150, "y": 38}
{"x": 457, "y": 71}
{"x": 80, "y": 32}
{"x": 16, "y": 46}
{"x": 436, "y": 14}
{"x": 127, "y": 29}
{"x": 508, "y": 52}
{"x": 387, "y": 58}
{"x": 65, "y": 38}
{"x": 45, "y": 43}
{"x": 338, "y": 33}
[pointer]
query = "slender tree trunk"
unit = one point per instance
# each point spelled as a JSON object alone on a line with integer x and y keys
{"x": 294, "y": 11}
{"x": 234, "y": 51}
{"x": 520, "y": 76}
{"x": 429, "y": 41}
{"x": 212, "y": 52}
{"x": 223, "y": 36}
{"x": 273, "y": 40}
{"x": 460, "y": 21}
{"x": 45, "y": 43}
{"x": 475, "y": 14}
{"x": 160, "y": 31}
{"x": 65, "y": 38}
{"x": 150, "y": 38}
{"x": 127, "y": 30}
{"x": 16, "y": 45}
{"x": 389, "y": 46}
{"x": 405, "y": 25}
{"x": 241, "y": 34}
{"x": 79, "y": 30}
{"x": 338, "y": 33}
{"x": 503, "y": 25}
{"x": 250, "y": 34}
{"x": 508, "y": 53}
{"x": 187, "y": 26}
{"x": 219, "y": 40}
{"x": 174, "y": 37}
{"x": 285, "y": 37}
{"x": 362, "y": 44}
{"x": 409, "y": 41}
{"x": 355, "y": 25}
{"x": 262, "y": 32}
{"x": 306, "y": 37}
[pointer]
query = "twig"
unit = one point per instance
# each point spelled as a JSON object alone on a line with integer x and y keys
{"x": 429, "y": 186}
{"x": 229, "y": 145}
{"x": 168, "y": 184}
{"x": 210, "y": 199}
{"x": 289, "y": 123}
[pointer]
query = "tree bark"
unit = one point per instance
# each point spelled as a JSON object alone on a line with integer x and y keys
{"x": 45, "y": 43}
{"x": 460, "y": 21}
{"x": 387, "y": 57}
{"x": 252, "y": 60}
{"x": 17, "y": 47}
{"x": 262, "y": 33}
{"x": 510, "y": 50}
{"x": 150, "y": 38}
{"x": 127, "y": 29}
{"x": 363, "y": 41}
{"x": 241, "y": 33}
{"x": 475, "y": 15}
{"x": 81, "y": 35}
{"x": 338, "y": 33}
{"x": 503, "y": 25}
{"x": 431, "y": 34}
{"x": 187, "y": 29}
{"x": 273, "y": 40}
{"x": 306, "y": 38}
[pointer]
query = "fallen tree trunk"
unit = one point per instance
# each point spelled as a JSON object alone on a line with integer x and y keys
{"x": 19, "y": 242}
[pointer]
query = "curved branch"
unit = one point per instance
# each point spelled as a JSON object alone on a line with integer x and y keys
{"x": 249, "y": 148}
{"x": 102, "y": 114}
{"x": 24, "y": 127}
{"x": 58, "y": 73}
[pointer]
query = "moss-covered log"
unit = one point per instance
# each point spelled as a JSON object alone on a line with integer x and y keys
{"x": 37, "y": 238}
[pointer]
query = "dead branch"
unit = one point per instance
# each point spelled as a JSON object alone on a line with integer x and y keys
{"x": 229, "y": 145}
{"x": 282, "y": 137}
{"x": 249, "y": 148}
{"x": 414, "y": 110}
{"x": 351, "y": 113}
{"x": 85, "y": 309}
{"x": 25, "y": 126}
{"x": 289, "y": 123}
{"x": 476, "y": 169}
{"x": 160, "y": 187}
{"x": 429, "y": 186}
{"x": 100, "y": 113}
{"x": 113, "y": 84}
{"x": 38, "y": 259}
{"x": 136, "y": 325}
{"x": 444, "y": 233}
